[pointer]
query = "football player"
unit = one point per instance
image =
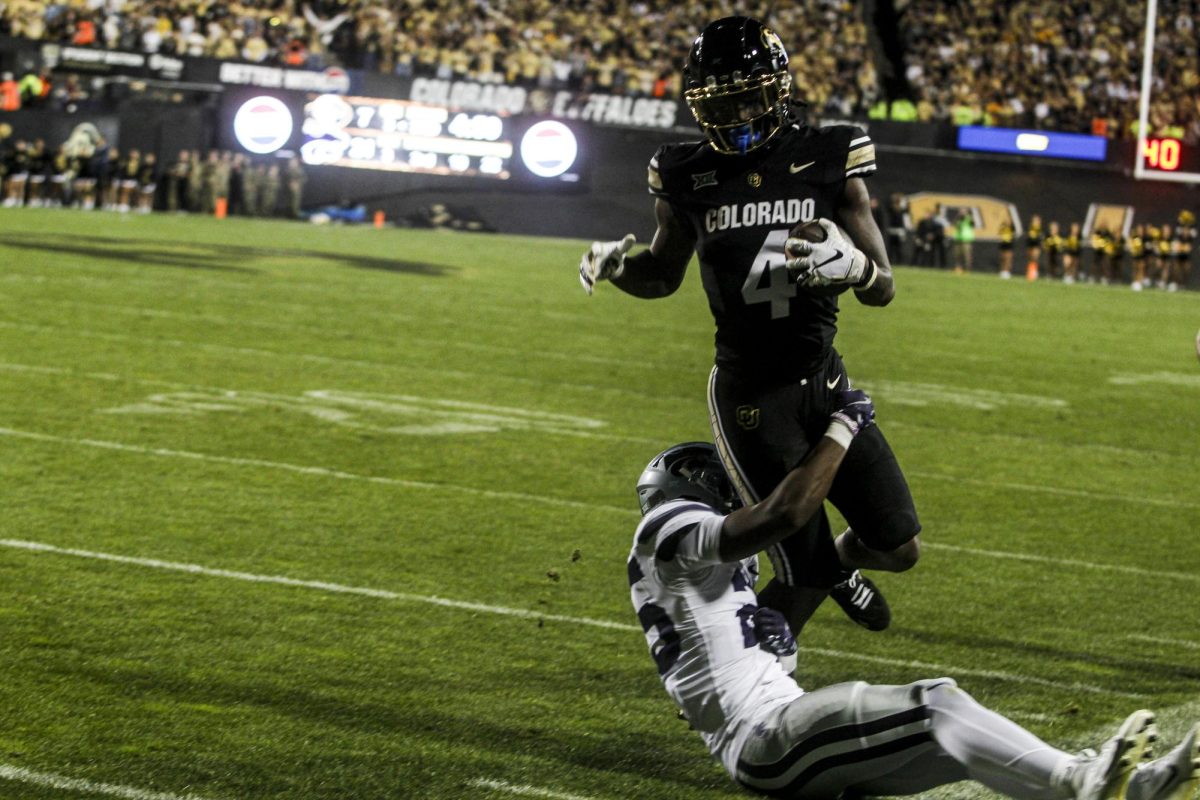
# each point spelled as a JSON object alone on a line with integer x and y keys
{"x": 725, "y": 660}
{"x": 735, "y": 198}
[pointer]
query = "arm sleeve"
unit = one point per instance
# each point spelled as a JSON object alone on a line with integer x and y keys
{"x": 654, "y": 179}
{"x": 860, "y": 154}
{"x": 692, "y": 544}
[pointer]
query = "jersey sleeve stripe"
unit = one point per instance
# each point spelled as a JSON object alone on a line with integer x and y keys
{"x": 859, "y": 141}
{"x": 635, "y": 571}
{"x": 860, "y": 156}
{"x": 669, "y": 544}
{"x": 658, "y": 518}
{"x": 864, "y": 170}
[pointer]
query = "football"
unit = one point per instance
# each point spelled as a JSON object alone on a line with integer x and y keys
{"x": 812, "y": 231}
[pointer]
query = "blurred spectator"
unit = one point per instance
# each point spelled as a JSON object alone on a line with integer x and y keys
{"x": 294, "y": 179}
{"x": 1136, "y": 245}
{"x": 1007, "y": 234}
{"x": 16, "y": 173}
{"x": 176, "y": 182}
{"x": 1072, "y": 245}
{"x": 1185, "y": 238}
{"x": 964, "y": 242}
{"x": 39, "y": 165}
{"x": 1053, "y": 245}
{"x": 930, "y": 248}
{"x": 147, "y": 183}
{"x": 10, "y": 93}
{"x": 1033, "y": 248}
{"x": 268, "y": 197}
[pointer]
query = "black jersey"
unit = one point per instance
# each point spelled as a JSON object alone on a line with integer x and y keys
{"x": 740, "y": 210}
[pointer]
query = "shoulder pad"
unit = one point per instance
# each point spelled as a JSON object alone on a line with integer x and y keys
{"x": 662, "y": 176}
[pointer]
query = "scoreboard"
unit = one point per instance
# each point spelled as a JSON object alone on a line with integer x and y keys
{"x": 1170, "y": 155}
{"x": 403, "y": 136}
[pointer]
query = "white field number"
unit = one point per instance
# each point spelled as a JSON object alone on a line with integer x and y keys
{"x": 403, "y": 415}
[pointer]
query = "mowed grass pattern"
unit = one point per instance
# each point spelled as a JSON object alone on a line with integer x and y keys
{"x": 445, "y": 415}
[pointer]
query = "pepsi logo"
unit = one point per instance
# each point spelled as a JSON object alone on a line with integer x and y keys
{"x": 548, "y": 149}
{"x": 263, "y": 124}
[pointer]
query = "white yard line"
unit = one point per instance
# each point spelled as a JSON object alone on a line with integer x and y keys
{"x": 319, "y": 359}
{"x": 943, "y": 670}
{"x": 1184, "y": 643}
{"x": 1006, "y": 485}
{"x": 1190, "y": 577}
{"x": 1055, "y": 490}
{"x": 524, "y": 790}
{"x": 323, "y": 586}
{"x": 554, "y": 501}
{"x": 51, "y": 781}
{"x": 927, "y": 668}
{"x": 316, "y": 471}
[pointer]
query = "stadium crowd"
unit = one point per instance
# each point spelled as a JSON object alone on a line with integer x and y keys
{"x": 1029, "y": 63}
{"x": 1072, "y": 66}
{"x": 601, "y": 45}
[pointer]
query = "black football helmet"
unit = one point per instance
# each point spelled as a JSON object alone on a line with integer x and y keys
{"x": 737, "y": 85}
{"x": 691, "y": 470}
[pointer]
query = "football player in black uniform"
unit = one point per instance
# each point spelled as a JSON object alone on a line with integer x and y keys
{"x": 736, "y": 198}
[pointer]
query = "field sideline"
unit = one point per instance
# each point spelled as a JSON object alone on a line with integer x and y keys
{"x": 304, "y": 512}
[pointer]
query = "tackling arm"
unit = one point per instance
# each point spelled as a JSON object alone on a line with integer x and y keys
{"x": 854, "y": 215}
{"x": 799, "y": 495}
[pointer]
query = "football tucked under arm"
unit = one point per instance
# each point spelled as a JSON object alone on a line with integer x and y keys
{"x": 821, "y": 256}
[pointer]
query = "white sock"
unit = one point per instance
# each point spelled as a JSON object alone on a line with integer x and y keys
{"x": 996, "y": 751}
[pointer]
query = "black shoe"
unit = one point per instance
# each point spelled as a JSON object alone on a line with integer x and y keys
{"x": 862, "y": 602}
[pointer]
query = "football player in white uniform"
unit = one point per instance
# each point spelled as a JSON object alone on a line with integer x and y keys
{"x": 721, "y": 657}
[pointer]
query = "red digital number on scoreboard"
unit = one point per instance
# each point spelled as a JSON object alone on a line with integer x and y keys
{"x": 1162, "y": 154}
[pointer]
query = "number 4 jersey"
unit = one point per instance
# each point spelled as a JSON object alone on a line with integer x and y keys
{"x": 740, "y": 210}
{"x": 697, "y": 614}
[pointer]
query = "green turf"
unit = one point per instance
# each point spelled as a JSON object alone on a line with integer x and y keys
{"x": 165, "y": 382}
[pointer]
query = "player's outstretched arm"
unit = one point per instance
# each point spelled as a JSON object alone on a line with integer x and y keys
{"x": 655, "y": 272}
{"x": 754, "y": 528}
{"x": 854, "y": 215}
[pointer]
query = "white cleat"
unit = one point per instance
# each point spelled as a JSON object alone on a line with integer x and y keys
{"x": 1175, "y": 776}
{"x": 1104, "y": 775}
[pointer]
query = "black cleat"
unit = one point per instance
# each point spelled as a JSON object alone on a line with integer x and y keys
{"x": 862, "y": 601}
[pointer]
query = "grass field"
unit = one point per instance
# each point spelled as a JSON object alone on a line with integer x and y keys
{"x": 401, "y": 465}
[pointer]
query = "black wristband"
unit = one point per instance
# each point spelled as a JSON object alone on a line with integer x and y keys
{"x": 868, "y": 277}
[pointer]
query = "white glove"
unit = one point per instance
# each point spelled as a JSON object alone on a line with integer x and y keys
{"x": 604, "y": 261}
{"x": 835, "y": 261}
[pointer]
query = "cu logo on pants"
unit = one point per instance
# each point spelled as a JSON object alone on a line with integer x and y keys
{"x": 747, "y": 417}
